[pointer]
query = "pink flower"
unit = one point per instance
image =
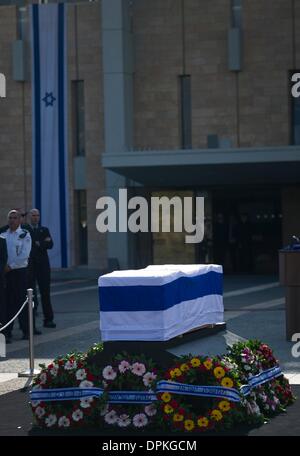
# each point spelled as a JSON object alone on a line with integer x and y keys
{"x": 148, "y": 378}
{"x": 124, "y": 366}
{"x": 40, "y": 411}
{"x": 111, "y": 417}
{"x": 140, "y": 420}
{"x": 77, "y": 415}
{"x": 109, "y": 373}
{"x": 150, "y": 410}
{"x": 124, "y": 420}
{"x": 138, "y": 369}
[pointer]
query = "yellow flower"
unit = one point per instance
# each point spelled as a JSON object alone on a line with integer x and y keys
{"x": 168, "y": 409}
{"x": 178, "y": 417}
{"x": 227, "y": 382}
{"x": 166, "y": 397}
{"x": 219, "y": 372}
{"x": 224, "y": 406}
{"x": 189, "y": 425}
{"x": 195, "y": 362}
{"x": 177, "y": 372}
{"x": 216, "y": 415}
{"x": 208, "y": 364}
{"x": 172, "y": 374}
{"x": 184, "y": 367}
{"x": 203, "y": 422}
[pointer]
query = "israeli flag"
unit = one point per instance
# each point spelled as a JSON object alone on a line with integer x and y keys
{"x": 159, "y": 302}
{"x": 49, "y": 125}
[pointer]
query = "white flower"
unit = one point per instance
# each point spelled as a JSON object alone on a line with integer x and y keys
{"x": 85, "y": 402}
{"x": 40, "y": 411}
{"x": 104, "y": 410}
{"x": 43, "y": 378}
{"x": 35, "y": 403}
{"x": 77, "y": 415}
{"x": 138, "y": 369}
{"x": 70, "y": 365}
{"x": 109, "y": 373}
{"x": 63, "y": 421}
{"x": 111, "y": 417}
{"x": 86, "y": 384}
{"x": 124, "y": 366}
{"x": 124, "y": 420}
{"x": 36, "y": 387}
{"x": 53, "y": 371}
{"x": 150, "y": 410}
{"x": 81, "y": 374}
{"x": 148, "y": 378}
{"x": 140, "y": 420}
{"x": 50, "y": 420}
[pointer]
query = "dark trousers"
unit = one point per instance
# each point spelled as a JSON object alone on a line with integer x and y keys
{"x": 39, "y": 272}
{"x": 3, "y": 317}
{"x": 16, "y": 287}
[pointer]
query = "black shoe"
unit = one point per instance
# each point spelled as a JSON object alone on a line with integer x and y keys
{"x": 49, "y": 324}
{"x": 25, "y": 337}
{"x": 8, "y": 340}
{"x": 36, "y": 332}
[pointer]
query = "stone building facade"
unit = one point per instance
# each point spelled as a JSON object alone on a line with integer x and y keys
{"x": 179, "y": 96}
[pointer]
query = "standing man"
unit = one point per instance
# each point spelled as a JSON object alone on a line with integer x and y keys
{"x": 3, "y": 263}
{"x": 39, "y": 267}
{"x": 18, "y": 242}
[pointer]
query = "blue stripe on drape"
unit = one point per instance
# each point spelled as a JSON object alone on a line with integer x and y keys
{"x": 145, "y": 297}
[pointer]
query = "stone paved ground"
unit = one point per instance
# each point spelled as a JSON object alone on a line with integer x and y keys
{"x": 254, "y": 308}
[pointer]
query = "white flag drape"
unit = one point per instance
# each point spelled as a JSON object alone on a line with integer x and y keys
{"x": 49, "y": 122}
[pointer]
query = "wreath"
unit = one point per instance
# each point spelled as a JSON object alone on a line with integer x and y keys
{"x": 198, "y": 414}
{"x": 69, "y": 371}
{"x": 252, "y": 358}
{"x": 129, "y": 374}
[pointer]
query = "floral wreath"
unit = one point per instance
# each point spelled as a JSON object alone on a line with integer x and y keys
{"x": 251, "y": 358}
{"x": 129, "y": 373}
{"x": 69, "y": 371}
{"x": 206, "y": 413}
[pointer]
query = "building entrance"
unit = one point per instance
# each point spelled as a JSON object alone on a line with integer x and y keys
{"x": 247, "y": 230}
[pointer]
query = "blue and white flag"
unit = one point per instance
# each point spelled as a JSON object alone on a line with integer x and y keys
{"x": 49, "y": 124}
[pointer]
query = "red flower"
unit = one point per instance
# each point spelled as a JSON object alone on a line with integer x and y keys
{"x": 50, "y": 366}
{"x": 90, "y": 377}
{"x": 173, "y": 403}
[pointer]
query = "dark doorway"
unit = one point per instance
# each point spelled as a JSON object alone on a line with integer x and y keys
{"x": 247, "y": 229}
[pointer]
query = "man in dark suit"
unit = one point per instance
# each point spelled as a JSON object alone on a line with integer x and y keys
{"x": 39, "y": 266}
{"x": 3, "y": 262}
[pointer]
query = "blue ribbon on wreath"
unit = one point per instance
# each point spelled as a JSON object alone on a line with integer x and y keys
{"x": 146, "y": 397}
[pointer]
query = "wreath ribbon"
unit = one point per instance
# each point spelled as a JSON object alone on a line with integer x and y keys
{"x": 145, "y": 397}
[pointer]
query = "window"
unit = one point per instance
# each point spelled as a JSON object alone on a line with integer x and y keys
{"x": 236, "y": 13}
{"x": 186, "y": 114}
{"x": 81, "y": 227}
{"x": 78, "y": 118}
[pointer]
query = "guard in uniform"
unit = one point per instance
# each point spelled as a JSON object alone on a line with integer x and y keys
{"x": 18, "y": 241}
{"x": 39, "y": 266}
{"x": 3, "y": 263}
